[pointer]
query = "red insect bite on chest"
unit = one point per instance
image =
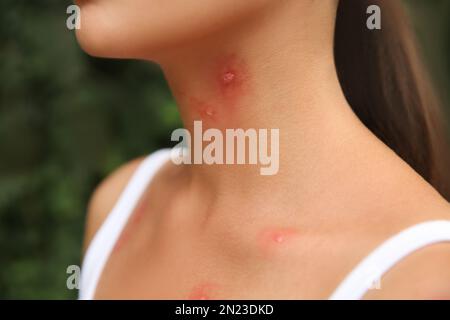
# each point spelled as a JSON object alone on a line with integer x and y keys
{"x": 202, "y": 292}
{"x": 273, "y": 238}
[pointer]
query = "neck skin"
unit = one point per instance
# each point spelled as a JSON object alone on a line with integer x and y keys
{"x": 277, "y": 71}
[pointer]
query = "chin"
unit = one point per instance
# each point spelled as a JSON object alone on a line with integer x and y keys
{"x": 100, "y": 45}
{"x": 99, "y": 38}
{"x": 106, "y": 40}
{"x": 101, "y": 34}
{"x": 114, "y": 44}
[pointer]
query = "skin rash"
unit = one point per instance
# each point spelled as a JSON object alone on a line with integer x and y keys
{"x": 202, "y": 291}
{"x": 229, "y": 79}
{"x": 268, "y": 241}
{"x": 232, "y": 79}
{"x": 230, "y": 82}
{"x": 272, "y": 238}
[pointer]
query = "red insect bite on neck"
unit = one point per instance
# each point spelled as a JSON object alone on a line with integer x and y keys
{"x": 232, "y": 75}
{"x": 228, "y": 77}
{"x": 204, "y": 109}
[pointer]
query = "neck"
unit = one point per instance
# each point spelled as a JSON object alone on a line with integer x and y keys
{"x": 273, "y": 72}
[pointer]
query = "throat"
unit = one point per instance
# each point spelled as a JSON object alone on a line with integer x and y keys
{"x": 242, "y": 81}
{"x": 218, "y": 93}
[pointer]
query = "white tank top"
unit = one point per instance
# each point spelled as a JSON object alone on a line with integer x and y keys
{"x": 363, "y": 277}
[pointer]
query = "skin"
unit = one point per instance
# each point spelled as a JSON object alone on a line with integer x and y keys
{"x": 225, "y": 232}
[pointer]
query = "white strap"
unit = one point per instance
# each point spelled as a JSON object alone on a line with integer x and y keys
{"x": 369, "y": 272}
{"x": 104, "y": 240}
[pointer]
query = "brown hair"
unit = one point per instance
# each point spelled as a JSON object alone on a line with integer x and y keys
{"x": 386, "y": 86}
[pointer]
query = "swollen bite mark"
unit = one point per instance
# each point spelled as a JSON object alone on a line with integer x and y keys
{"x": 208, "y": 111}
{"x": 273, "y": 238}
{"x": 202, "y": 292}
{"x": 278, "y": 238}
{"x": 232, "y": 77}
{"x": 205, "y": 110}
{"x": 228, "y": 78}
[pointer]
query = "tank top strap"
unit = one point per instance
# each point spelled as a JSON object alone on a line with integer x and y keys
{"x": 104, "y": 240}
{"x": 368, "y": 272}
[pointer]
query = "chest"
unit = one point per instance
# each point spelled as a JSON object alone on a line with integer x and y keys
{"x": 181, "y": 263}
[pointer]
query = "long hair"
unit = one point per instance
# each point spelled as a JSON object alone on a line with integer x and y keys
{"x": 386, "y": 86}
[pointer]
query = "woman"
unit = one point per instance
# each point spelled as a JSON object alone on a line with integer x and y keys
{"x": 357, "y": 208}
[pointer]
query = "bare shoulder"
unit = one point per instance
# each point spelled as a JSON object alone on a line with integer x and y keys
{"x": 105, "y": 196}
{"x": 424, "y": 274}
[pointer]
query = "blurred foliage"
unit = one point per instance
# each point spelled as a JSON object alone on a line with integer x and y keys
{"x": 67, "y": 120}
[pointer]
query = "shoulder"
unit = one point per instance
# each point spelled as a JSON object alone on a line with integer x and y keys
{"x": 105, "y": 196}
{"x": 425, "y": 273}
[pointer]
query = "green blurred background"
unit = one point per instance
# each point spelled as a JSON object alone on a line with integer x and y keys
{"x": 67, "y": 120}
